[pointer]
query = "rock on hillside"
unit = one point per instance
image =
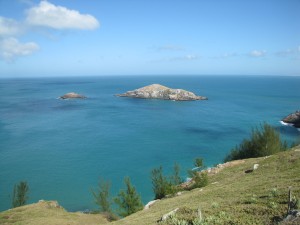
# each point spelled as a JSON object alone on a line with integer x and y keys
{"x": 293, "y": 118}
{"x": 157, "y": 91}
{"x": 72, "y": 95}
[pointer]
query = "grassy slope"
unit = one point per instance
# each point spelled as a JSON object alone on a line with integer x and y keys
{"x": 228, "y": 191}
{"x": 45, "y": 213}
{"x": 234, "y": 189}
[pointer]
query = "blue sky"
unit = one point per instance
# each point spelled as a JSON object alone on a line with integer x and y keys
{"x": 157, "y": 37}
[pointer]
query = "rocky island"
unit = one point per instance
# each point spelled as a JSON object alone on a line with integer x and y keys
{"x": 72, "y": 95}
{"x": 293, "y": 119}
{"x": 157, "y": 91}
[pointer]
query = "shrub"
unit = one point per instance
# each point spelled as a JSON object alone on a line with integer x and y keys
{"x": 252, "y": 200}
{"x": 102, "y": 196}
{"x": 198, "y": 163}
{"x": 129, "y": 201}
{"x": 274, "y": 192}
{"x": 163, "y": 185}
{"x": 160, "y": 183}
{"x": 175, "y": 178}
{"x": 264, "y": 141}
{"x": 20, "y": 194}
{"x": 200, "y": 179}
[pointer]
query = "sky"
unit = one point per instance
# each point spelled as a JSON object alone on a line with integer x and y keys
{"x": 142, "y": 37}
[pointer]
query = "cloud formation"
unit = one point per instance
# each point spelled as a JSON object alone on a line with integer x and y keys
{"x": 43, "y": 15}
{"x": 11, "y": 48}
{"x": 9, "y": 27}
{"x": 58, "y": 17}
{"x": 257, "y": 53}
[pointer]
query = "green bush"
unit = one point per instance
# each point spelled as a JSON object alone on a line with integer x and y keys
{"x": 263, "y": 141}
{"x": 200, "y": 179}
{"x": 129, "y": 201}
{"x": 103, "y": 200}
{"x": 163, "y": 185}
{"x": 20, "y": 194}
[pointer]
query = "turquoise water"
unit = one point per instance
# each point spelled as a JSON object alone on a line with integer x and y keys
{"x": 62, "y": 147}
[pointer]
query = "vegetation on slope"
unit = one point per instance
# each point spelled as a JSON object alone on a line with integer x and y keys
{"x": 241, "y": 198}
{"x": 259, "y": 197}
{"x": 47, "y": 213}
{"x": 263, "y": 141}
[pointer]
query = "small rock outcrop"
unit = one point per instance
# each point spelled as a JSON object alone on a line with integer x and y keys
{"x": 150, "y": 204}
{"x": 293, "y": 119}
{"x": 72, "y": 95}
{"x": 157, "y": 91}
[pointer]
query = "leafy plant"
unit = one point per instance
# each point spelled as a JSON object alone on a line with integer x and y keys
{"x": 20, "y": 194}
{"x": 102, "y": 196}
{"x": 163, "y": 185}
{"x": 200, "y": 179}
{"x": 129, "y": 200}
{"x": 274, "y": 192}
{"x": 252, "y": 200}
{"x": 263, "y": 141}
{"x": 198, "y": 163}
{"x": 160, "y": 183}
{"x": 175, "y": 178}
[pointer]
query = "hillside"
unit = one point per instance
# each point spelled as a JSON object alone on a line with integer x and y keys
{"x": 46, "y": 213}
{"x": 259, "y": 197}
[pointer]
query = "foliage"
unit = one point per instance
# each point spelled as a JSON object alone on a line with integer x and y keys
{"x": 163, "y": 185}
{"x": 200, "y": 179}
{"x": 160, "y": 183}
{"x": 188, "y": 216}
{"x": 198, "y": 162}
{"x": 20, "y": 194}
{"x": 129, "y": 200}
{"x": 264, "y": 141}
{"x": 176, "y": 179}
{"x": 103, "y": 200}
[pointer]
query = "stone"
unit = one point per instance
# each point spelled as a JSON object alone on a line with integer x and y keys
{"x": 169, "y": 214}
{"x": 72, "y": 95}
{"x": 149, "y": 204}
{"x": 255, "y": 166}
{"x": 292, "y": 119}
{"x": 157, "y": 91}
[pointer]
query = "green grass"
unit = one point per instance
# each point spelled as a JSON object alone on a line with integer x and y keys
{"x": 259, "y": 197}
{"x": 232, "y": 190}
{"x": 45, "y": 213}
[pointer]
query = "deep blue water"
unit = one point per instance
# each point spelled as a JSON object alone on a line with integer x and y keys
{"x": 62, "y": 147}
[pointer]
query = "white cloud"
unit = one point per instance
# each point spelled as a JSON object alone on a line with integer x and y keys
{"x": 58, "y": 17}
{"x": 11, "y": 48}
{"x": 257, "y": 53}
{"x": 9, "y": 27}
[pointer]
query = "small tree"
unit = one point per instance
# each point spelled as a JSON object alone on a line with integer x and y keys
{"x": 198, "y": 163}
{"x": 20, "y": 194}
{"x": 200, "y": 179}
{"x": 129, "y": 201}
{"x": 102, "y": 196}
{"x": 175, "y": 178}
{"x": 160, "y": 183}
{"x": 264, "y": 141}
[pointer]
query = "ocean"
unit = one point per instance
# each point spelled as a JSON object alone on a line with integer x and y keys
{"x": 62, "y": 147}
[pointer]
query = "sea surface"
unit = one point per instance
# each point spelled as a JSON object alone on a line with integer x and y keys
{"x": 62, "y": 147}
